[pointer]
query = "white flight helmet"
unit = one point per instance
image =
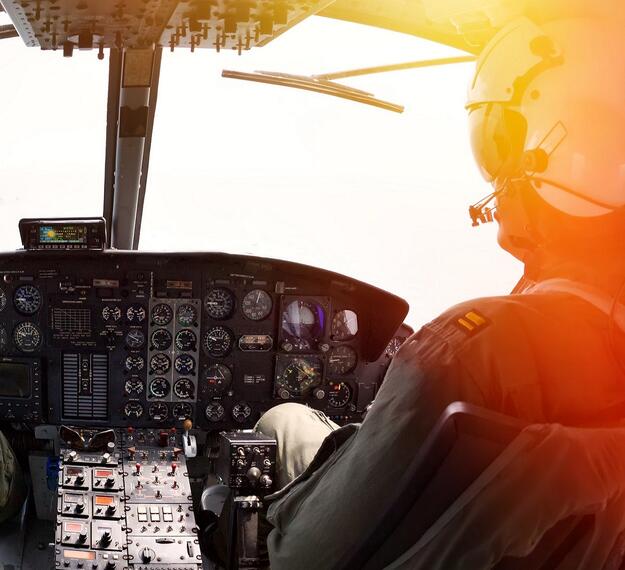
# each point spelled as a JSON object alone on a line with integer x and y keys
{"x": 547, "y": 105}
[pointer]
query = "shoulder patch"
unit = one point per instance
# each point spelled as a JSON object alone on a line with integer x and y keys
{"x": 472, "y": 322}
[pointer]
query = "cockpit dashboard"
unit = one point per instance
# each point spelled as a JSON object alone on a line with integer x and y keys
{"x": 121, "y": 339}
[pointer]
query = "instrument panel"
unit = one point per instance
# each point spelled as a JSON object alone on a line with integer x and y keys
{"x": 145, "y": 339}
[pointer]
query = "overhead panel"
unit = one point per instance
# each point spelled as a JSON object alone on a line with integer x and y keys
{"x": 216, "y": 24}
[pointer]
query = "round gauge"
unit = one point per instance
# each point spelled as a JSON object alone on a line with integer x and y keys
{"x": 133, "y": 410}
{"x": 218, "y": 341}
{"x": 134, "y": 363}
{"x": 184, "y": 364}
{"x": 3, "y": 300}
{"x": 160, "y": 364}
{"x": 162, "y": 314}
{"x": 133, "y": 386}
{"x": 219, "y": 303}
{"x": 159, "y": 388}
{"x": 161, "y": 339}
{"x": 4, "y": 340}
{"x": 342, "y": 360}
{"x": 111, "y": 314}
{"x": 344, "y": 325}
{"x": 184, "y": 389}
{"x": 27, "y": 299}
{"x": 27, "y": 337}
{"x": 218, "y": 378}
{"x": 303, "y": 324}
{"x": 135, "y": 339}
{"x": 187, "y": 315}
{"x": 394, "y": 345}
{"x": 135, "y": 313}
{"x": 241, "y": 412}
{"x": 257, "y": 305}
{"x": 186, "y": 340}
{"x": 296, "y": 377}
{"x": 182, "y": 411}
{"x": 158, "y": 411}
{"x": 214, "y": 412}
{"x": 339, "y": 395}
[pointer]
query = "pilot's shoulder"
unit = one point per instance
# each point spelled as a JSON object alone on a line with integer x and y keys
{"x": 484, "y": 318}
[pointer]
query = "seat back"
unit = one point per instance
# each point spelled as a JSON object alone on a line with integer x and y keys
{"x": 463, "y": 444}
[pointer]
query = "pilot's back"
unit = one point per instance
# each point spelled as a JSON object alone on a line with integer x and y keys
{"x": 542, "y": 357}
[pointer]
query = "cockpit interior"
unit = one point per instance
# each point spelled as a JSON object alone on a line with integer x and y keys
{"x": 131, "y": 381}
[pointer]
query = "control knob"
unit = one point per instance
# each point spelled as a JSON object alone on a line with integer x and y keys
{"x": 146, "y": 555}
{"x": 254, "y": 474}
{"x": 266, "y": 481}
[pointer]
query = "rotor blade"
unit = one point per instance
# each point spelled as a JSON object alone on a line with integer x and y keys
{"x": 317, "y": 80}
{"x": 316, "y": 86}
{"x": 396, "y": 67}
{"x": 7, "y": 32}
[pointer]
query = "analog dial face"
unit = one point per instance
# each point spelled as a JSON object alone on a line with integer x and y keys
{"x": 135, "y": 339}
{"x": 186, "y": 340}
{"x": 184, "y": 364}
{"x": 217, "y": 379}
{"x": 257, "y": 305}
{"x": 187, "y": 315}
{"x": 339, "y": 395}
{"x": 344, "y": 325}
{"x": 27, "y": 299}
{"x": 218, "y": 341}
{"x": 161, "y": 339}
{"x": 302, "y": 325}
{"x": 342, "y": 360}
{"x": 160, "y": 364}
{"x": 3, "y": 300}
{"x": 135, "y": 313}
{"x": 111, "y": 314}
{"x": 184, "y": 389}
{"x": 4, "y": 340}
{"x": 158, "y": 411}
{"x": 219, "y": 303}
{"x": 159, "y": 388}
{"x": 133, "y": 386}
{"x": 241, "y": 412}
{"x": 182, "y": 411}
{"x": 27, "y": 337}
{"x": 162, "y": 314}
{"x": 133, "y": 410}
{"x": 214, "y": 412}
{"x": 297, "y": 377}
{"x": 134, "y": 363}
{"x": 394, "y": 345}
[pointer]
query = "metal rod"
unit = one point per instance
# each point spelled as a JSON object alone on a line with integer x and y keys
{"x": 396, "y": 67}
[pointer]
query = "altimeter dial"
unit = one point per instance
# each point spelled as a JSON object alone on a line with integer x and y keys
{"x": 27, "y": 337}
{"x": 219, "y": 303}
{"x": 218, "y": 341}
{"x": 27, "y": 299}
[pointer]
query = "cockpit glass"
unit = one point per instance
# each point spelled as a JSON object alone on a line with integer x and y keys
{"x": 257, "y": 169}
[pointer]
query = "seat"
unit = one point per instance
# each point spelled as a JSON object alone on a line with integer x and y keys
{"x": 466, "y": 499}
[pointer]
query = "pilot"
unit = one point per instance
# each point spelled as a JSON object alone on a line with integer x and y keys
{"x": 547, "y": 125}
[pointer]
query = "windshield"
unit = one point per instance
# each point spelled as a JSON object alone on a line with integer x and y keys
{"x": 249, "y": 168}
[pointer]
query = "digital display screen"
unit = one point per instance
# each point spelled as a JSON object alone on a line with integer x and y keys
{"x": 14, "y": 380}
{"x": 103, "y": 473}
{"x": 63, "y": 234}
{"x": 103, "y": 500}
{"x": 73, "y": 527}
{"x": 79, "y": 554}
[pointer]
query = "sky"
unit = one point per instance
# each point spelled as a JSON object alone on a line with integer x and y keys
{"x": 248, "y": 168}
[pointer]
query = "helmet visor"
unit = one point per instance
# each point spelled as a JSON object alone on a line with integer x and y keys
{"x": 498, "y": 140}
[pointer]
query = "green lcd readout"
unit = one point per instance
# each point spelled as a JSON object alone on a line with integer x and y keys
{"x": 63, "y": 234}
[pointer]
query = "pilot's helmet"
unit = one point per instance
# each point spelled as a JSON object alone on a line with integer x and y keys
{"x": 547, "y": 105}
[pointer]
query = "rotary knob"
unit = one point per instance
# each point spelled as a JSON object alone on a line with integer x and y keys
{"x": 266, "y": 481}
{"x": 146, "y": 555}
{"x": 254, "y": 474}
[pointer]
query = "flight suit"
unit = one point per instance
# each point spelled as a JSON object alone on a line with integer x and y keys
{"x": 540, "y": 356}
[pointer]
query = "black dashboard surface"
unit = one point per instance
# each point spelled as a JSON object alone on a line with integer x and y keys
{"x": 146, "y": 339}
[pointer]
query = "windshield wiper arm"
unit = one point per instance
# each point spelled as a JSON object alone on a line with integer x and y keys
{"x": 316, "y": 85}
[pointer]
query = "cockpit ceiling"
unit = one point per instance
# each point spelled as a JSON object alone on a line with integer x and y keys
{"x": 216, "y": 24}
